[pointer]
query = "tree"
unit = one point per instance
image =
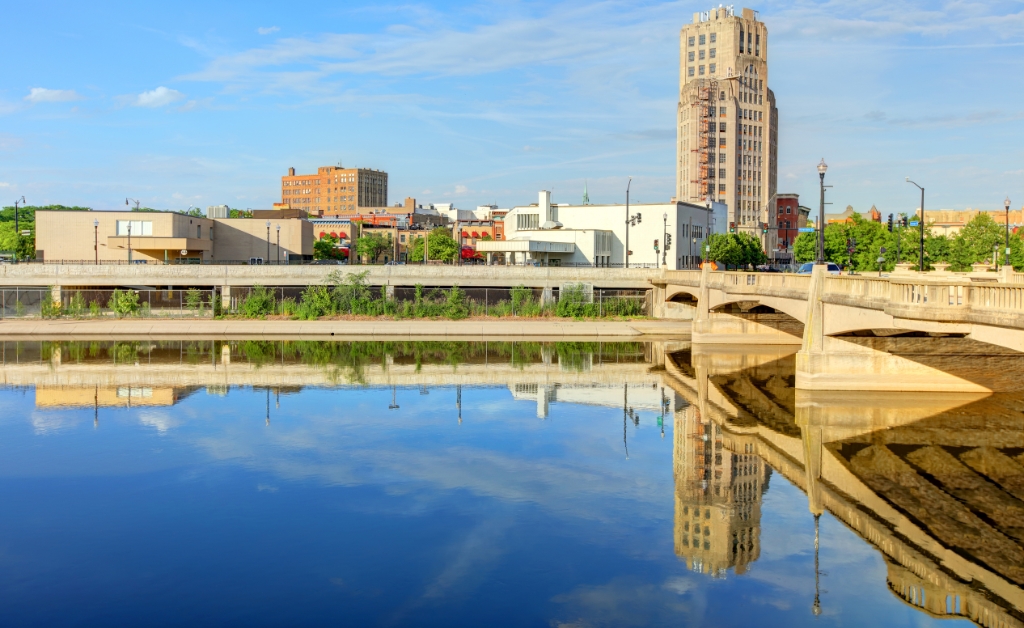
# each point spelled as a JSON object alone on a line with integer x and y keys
{"x": 373, "y": 244}
{"x": 196, "y": 212}
{"x": 239, "y": 213}
{"x": 975, "y": 242}
{"x": 326, "y": 248}
{"x": 736, "y": 249}
{"x": 11, "y": 241}
{"x": 441, "y": 246}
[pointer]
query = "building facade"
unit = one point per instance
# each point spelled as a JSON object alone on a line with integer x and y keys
{"x": 788, "y": 224}
{"x": 727, "y": 121}
{"x": 167, "y": 237}
{"x": 549, "y": 233}
{"x": 334, "y": 190}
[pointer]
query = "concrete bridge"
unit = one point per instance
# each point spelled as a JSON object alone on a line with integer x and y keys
{"x": 932, "y": 481}
{"x": 910, "y": 332}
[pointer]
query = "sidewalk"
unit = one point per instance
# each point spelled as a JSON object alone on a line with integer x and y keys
{"x": 342, "y": 330}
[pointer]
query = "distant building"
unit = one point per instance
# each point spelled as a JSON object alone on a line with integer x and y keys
{"x": 334, "y": 189}
{"x": 788, "y": 225}
{"x": 167, "y": 237}
{"x": 727, "y": 122}
{"x": 949, "y": 222}
{"x": 847, "y": 216}
{"x": 553, "y": 234}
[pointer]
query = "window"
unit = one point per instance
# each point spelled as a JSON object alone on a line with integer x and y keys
{"x": 721, "y": 110}
{"x": 721, "y": 188}
{"x": 721, "y": 141}
{"x": 721, "y": 96}
{"x": 714, "y": 36}
{"x": 712, "y": 53}
{"x": 690, "y": 71}
{"x": 721, "y": 158}
{"x": 689, "y": 56}
{"x": 527, "y": 221}
{"x": 703, "y": 39}
{"x": 701, "y": 71}
{"x": 721, "y": 127}
{"x": 138, "y": 227}
{"x": 711, "y": 68}
{"x": 721, "y": 173}
{"x": 701, "y": 55}
{"x": 789, "y": 210}
{"x": 690, "y": 42}
{"x": 199, "y": 232}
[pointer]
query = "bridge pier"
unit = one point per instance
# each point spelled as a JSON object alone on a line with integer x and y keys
{"x": 722, "y": 328}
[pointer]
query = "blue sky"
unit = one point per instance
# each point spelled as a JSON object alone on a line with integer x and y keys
{"x": 206, "y": 103}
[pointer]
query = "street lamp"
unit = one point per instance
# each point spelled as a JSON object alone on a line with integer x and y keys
{"x": 628, "y": 219}
{"x": 707, "y": 226}
{"x": 822, "y": 167}
{"x": 1006, "y": 204}
{"x": 278, "y": 245}
{"x": 96, "y": 240}
{"x": 921, "y": 224}
{"x": 17, "y": 231}
{"x": 664, "y": 236}
{"x": 268, "y": 241}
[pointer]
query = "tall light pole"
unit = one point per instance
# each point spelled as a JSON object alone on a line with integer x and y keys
{"x": 822, "y": 167}
{"x": 664, "y": 238}
{"x": 17, "y": 231}
{"x": 628, "y": 183}
{"x": 268, "y": 242}
{"x": 96, "y": 240}
{"x": 278, "y": 245}
{"x": 920, "y": 224}
{"x": 126, "y": 202}
{"x": 1006, "y": 204}
{"x": 708, "y": 204}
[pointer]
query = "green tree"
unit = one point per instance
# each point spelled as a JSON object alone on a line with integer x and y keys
{"x": 11, "y": 241}
{"x": 196, "y": 212}
{"x": 239, "y": 213}
{"x": 441, "y": 246}
{"x": 736, "y": 249}
{"x": 326, "y": 248}
{"x": 975, "y": 242}
{"x": 373, "y": 244}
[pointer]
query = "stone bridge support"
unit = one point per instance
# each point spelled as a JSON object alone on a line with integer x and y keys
{"x": 711, "y": 327}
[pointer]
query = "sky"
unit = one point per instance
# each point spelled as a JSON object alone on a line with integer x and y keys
{"x": 203, "y": 103}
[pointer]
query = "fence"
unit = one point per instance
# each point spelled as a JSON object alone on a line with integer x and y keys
{"x": 22, "y": 303}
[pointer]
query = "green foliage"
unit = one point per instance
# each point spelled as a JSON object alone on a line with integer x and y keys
{"x": 94, "y": 309}
{"x": 19, "y": 308}
{"x": 736, "y": 249}
{"x": 287, "y": 307}
{"x": 326, "y": 248}
{"x": 27, "y": 213}
{"x": 456, "y": 306}
{"x": 574, "y": 302}
{"x": 239, "y": 213}
{"x": 76, "y": 306}
{"x": 49, "y": 308}
{"x": 194, "y": 300}
{"x": 373, "y": 244}
{"x": 124, "y": 303}
{"x": 12, "y": 241}
{"x": 258, "y": 304}
{"x": 316, "y": 301}
{"x": 975, "y": 243}
{"x": 195, "y": 212}
{"x": 440, "y": 245}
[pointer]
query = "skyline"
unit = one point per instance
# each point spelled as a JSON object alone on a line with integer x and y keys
{"x": 474, "y": 103}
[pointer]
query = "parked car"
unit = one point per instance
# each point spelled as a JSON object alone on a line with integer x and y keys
{"x": 833, "y": 269}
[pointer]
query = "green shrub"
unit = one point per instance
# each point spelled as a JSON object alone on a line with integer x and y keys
{"x": 76, "y": 306}
{"x": 573, "y": 302}
{"x": 287, "y": 307}
{"x": 456, "y": 305}
{"x": 124, "y": 303}
{"x": 19, "y": 308}
{"x": 258, "y": 304}
{"x": 48, "y": 308}
{"x": 94, "y": 309}
{"x": 194, "y": 300}
{"x": 316, "y": 302}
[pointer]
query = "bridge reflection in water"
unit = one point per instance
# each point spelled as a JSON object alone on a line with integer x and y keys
{"x": 935, "y": 482}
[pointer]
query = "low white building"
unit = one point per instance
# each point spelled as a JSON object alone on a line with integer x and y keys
{"x": 546, "y": 233}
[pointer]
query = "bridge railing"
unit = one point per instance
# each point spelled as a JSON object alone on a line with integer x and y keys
{"x": 781, "y": 284}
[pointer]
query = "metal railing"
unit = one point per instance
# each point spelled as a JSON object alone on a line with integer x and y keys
{"x": 100, "y": 303}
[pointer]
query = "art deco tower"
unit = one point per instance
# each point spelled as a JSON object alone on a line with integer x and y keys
{"x": 727, "y": 142}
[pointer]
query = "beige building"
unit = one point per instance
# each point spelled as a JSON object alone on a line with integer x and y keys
{"x": 950, "y": 221}
{"x": 168, "y": 237}
{"x": 727, "y": 140}
{"x": 333, "y": 190}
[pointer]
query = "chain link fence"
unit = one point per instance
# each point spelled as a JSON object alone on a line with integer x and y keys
{"x": 98, "y": 303}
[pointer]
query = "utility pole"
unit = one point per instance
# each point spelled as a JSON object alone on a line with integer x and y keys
{"x": 921, "y": 224}
{"x": 278, "y": 245}
{"x": 629, "y": 183}
{"x": 822, "y": 167}
{"x": 17, "y": 230}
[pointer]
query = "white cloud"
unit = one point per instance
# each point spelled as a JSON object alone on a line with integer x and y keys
{"x": 266, "y": 30}
{"x": 159, "y": 97}
{"x": 4, "y": 184}
{"x": 41, "y": 94}
{"x": 461, "y": 189}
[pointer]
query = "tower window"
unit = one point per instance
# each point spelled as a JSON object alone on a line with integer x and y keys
{"x": 714, "y": 36}
{"x": 711, "y": 68}
{"x": 712, "y": 53}
{"x": 701, "y": 70}
{"x": 689, "y": 72}
{"x": 689, "y": 56}
{"x": 690, "y": 41}
{"x": 701, "y": 55}
{"x": 703, "y": 39}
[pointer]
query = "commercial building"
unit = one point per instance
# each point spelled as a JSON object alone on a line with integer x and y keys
{"x": 547, "y": 233}
{"x": 949, "y": 222}
{"x": 788, "y": 224}
{"x": 334, "y": 189}
{"x": 847, "y": 216}
{"x": 727, "y": 121}
{"x": 167, "y": 237}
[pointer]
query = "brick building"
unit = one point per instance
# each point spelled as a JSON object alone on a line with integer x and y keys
{"x": 788, "y": 212}
{"x": 334, "y": 190}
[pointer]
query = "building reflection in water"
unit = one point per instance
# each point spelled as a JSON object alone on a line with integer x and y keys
{"x": 717, "y": 497}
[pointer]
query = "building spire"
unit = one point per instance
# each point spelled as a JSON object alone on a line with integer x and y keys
{"x": 586, "y": 196}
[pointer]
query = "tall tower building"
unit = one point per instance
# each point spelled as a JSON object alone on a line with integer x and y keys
{"x": 727, "y": 142}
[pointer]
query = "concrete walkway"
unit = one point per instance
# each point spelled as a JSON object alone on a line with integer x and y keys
{"x": 342, "y": 330}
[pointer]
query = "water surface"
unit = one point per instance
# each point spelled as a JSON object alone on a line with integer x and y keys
{"x": 575, "y": 484}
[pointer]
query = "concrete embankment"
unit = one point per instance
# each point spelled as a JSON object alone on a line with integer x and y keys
{"x": 344, "y": 330}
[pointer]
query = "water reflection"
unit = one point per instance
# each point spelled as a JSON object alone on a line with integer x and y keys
{"x": 935, "y": 483}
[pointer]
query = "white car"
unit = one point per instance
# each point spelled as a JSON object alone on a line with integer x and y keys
{"x": 806, "y": 269}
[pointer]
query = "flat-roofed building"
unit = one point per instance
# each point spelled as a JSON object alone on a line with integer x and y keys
{"x": 333, "y": 190}
{"x": 167, "y": 237}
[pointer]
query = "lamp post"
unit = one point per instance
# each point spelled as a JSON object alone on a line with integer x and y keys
{"x": 268, "y": 242}
{"x": 1006, "y": 204}
{"x": 17, "y": 230}
{"x": 278, "y": 245}
{"x": 96, "y": 240}
{"x": 628, "y": 183}
{"x": 822, "y": 167}
{"x": 707, "y": 226}
{"x": 921, "y": 224}
{"x": 126, "y": 202}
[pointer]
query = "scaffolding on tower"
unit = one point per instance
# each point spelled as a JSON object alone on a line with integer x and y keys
{"x": 702, "y": 100}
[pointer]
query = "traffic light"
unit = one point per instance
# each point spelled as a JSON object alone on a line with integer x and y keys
{"x": 903, "y": 222}
{"x": 732, "y": 227}
{"x": 890, "y": 223}
{"x": 668, "y": 241}
{"x": 655, "y": 246}
{"x": 764, "y": 228}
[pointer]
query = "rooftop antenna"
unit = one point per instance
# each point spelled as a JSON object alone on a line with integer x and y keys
{"x": 586, "y": 196}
